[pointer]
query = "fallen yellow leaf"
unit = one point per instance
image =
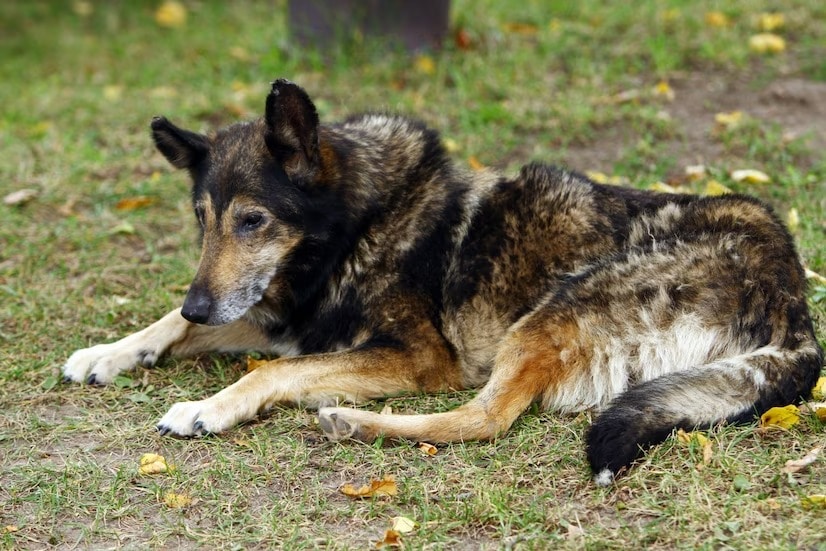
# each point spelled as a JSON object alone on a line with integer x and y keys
{"x": 728, "y": 120}
{"x": 770, "y": 21}
{"x": 602, "y": 178}
{"x": 515, "y": 27}
{"x": 171, "y": 14}
{"x": 8, "y": 529}
{"x": 240, "y": 53}
{"x": 176, "y": 501}
{"x": 815, "y": 501}
{"x": 715, "y": 188}
{"x": 767, "y": 43}
{"x": 133, "y": 203}
{"x": 402, "y": 525}
{"x": 83, "y": 9}
{"x": 819, "y": 391}
{"x": 384, "y": 487}
{"x": 391, "y": 539}
{"x": 784, "y": 417}
{"x": 152, "y": 463}
{"x": 697, "y": 439}
{"x": 717, "y": 19}
{"x": 750, "y": 176}
{"x": 793, "y": 219}
{"x": 670, "y": 16}
{"x": 112, "y": 92}
{"x": 662, "y": 187}
{"x": 428, "y": 449}
{"x": 695, "y": 172}
{"x": 425, "y": 64}
{"x": 693, "y": 436}
{"x": 451, "y": 146}
{"x": 664, "y": 90}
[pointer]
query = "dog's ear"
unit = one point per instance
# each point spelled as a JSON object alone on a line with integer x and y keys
{"x": 292, "y": 127}
{"x": 182, "y": 148}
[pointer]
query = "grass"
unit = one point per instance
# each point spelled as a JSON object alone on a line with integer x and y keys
{"x": 571, "y": 83}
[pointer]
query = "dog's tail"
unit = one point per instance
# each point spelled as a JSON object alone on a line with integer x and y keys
{"x": 734, "y": 389}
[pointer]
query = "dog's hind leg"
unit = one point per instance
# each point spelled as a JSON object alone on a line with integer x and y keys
{"x": 172, "y": 335}
{"x": 533, "y": 361}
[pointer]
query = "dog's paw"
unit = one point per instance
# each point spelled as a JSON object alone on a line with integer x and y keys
{"x": 100, "y": 364}
{"x": 197, "y": 418}
{"x": 343, "y": 423}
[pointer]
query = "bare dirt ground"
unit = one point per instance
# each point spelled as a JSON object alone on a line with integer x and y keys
{"x": 797, "y": 105}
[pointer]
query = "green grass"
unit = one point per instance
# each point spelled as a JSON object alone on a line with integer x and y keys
{"x": 78, "y": 93}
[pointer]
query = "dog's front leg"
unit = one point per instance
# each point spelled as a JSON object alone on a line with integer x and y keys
{"x": 313, "y": 381}
{"x": 171, "y": 334}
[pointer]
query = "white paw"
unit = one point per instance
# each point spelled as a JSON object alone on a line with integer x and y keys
{"x": 100, "y": 364}
{"x": 198, "y": 418}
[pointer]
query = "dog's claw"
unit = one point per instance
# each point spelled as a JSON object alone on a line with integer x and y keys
{"x": 198, "y": 427}
{"x": 92, "y": 379}
{"x": 66, "y": 379}
{"x": 162, "y": 429}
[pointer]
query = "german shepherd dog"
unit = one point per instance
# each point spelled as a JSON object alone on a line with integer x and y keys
{"x": 374, "y": 266}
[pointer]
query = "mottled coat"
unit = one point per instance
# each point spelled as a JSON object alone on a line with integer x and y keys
{"x": 374, "y": 266}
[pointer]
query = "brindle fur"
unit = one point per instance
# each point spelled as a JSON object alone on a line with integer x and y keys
{"x": 374, "y": 266}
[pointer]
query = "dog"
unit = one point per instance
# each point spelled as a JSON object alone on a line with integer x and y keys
{"x": 372, "y": 266}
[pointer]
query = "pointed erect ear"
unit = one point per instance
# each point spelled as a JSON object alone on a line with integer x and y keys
{"x": 292, "y": 127}
{"x": 182, "y": 148}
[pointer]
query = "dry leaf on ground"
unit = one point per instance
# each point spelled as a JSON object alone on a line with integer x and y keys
{"x": 176, "y": 501}
{"x": 20, "y": 197}
{"x": 717, "y": 19}
{"x": 768, "y": 22}
{"x": 815, "y": 501}
{"x": 391, "y": 539}
{"x": 427, "y": 448}
{"x": 698, "y": 439}
{"x": 783, "y": 417}
{"x": 728, "y": 120}
{"x": 750, "y": 176}
{"x": 663, "y": 90}
{"x": 152, "y": 463}
{"x": 796, "y": 465}
{"x": 819, "y": 391}
{"x": 386, "y": 487}
{"x": 402, "y": 525}
{"x": 715, "y": 188}
{"x": 171, "y": 14}
{"x": 425, "y": 64}
{"x": 767, "y": 43}
{"x": 134, "y": 203}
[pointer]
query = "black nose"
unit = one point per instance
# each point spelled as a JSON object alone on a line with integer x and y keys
{"x": 197, "y": 304}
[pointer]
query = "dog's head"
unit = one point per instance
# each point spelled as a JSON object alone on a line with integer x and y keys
{"x": 249, "y": 197}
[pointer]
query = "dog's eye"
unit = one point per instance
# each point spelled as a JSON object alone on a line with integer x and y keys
{"x": 252, "y": 221}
